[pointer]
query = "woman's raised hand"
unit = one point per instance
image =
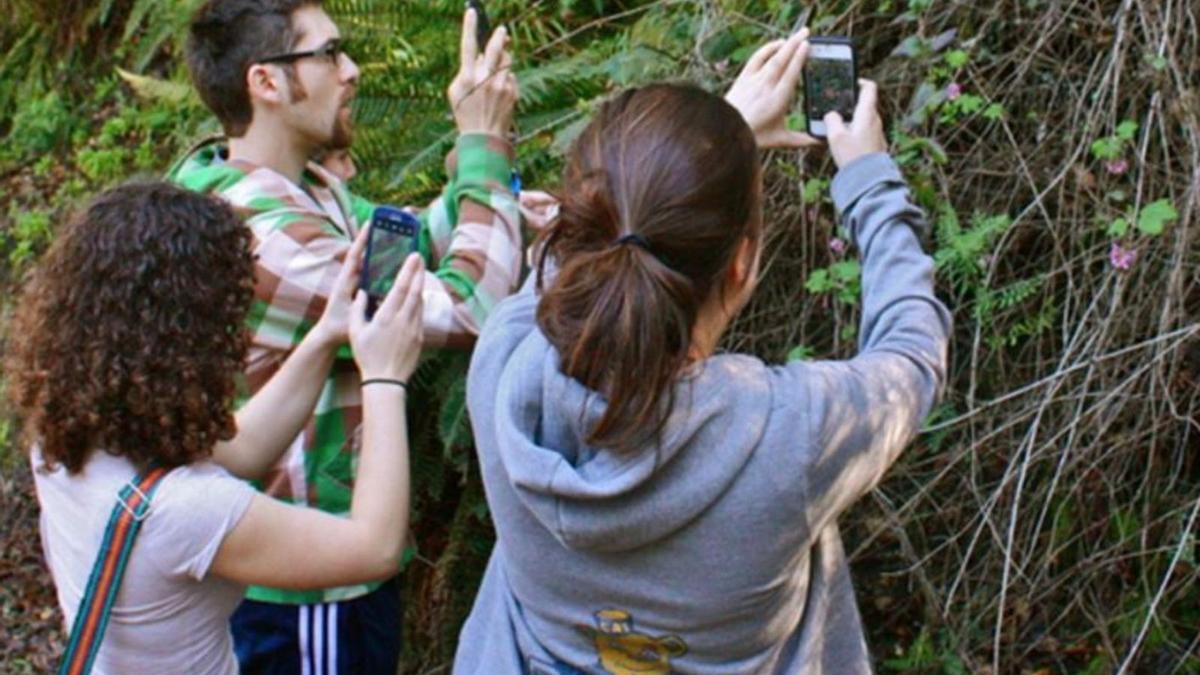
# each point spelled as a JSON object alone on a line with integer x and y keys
{"x": 333, "y": 327}
{"x": 766, "y": 89}
{"x": 389, "y": 344}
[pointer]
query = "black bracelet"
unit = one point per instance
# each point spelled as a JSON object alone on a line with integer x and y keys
{"x": 384, "y": 380}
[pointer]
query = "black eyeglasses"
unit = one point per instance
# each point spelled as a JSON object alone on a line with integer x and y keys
{"x": 330, "y": 51}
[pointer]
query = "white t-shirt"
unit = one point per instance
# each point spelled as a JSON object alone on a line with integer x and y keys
{"x": 170, "y": 615}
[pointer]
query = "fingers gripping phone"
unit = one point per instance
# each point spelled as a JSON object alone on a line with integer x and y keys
{"x": 392, "y": 238}
{"x": 830, "y": 81}
{"x": 483, "y": 27}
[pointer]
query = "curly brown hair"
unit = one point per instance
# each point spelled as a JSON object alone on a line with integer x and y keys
{"x": 130, "y": 333}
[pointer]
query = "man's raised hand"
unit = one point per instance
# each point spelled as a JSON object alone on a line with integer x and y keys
{"x": 484, "y": 93}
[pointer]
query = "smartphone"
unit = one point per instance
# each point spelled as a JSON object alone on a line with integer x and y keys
{"x": 830, "y": 81}
{"x": 392, "y": 238}
{"x": 483, "y": 27}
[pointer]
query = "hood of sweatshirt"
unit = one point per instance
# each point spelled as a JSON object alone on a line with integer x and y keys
{"x": 601, "y": 500}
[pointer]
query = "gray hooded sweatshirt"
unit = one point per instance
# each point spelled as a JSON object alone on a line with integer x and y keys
{"x": 717, "y": 549}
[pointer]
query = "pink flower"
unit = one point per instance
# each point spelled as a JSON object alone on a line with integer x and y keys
{"x": 953, "y": 91}
{"x": 1121, "y": 258}
{"x": 837, "y": 245}
{"x": 1117, "y": 166}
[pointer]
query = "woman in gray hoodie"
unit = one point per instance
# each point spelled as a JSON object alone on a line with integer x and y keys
{"x": 660, "y": 507}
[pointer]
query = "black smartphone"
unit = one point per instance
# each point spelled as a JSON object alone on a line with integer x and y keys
{"x": 392, "y": 238}
{"x": 483, "y": 27}
{"x": 830, "y": 81}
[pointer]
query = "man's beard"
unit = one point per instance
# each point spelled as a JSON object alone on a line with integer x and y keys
{"x": 342, "y": 134}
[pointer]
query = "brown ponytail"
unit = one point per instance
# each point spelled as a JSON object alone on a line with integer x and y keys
{"x": 675, "y": 167}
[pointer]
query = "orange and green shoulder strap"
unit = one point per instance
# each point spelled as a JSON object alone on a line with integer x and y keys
{"x": 133, "y": 505}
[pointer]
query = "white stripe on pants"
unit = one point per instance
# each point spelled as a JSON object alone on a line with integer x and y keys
{"x": 332, "y": 632}
{"x": 318, "y": 639}
{"x": 304, "y": 665}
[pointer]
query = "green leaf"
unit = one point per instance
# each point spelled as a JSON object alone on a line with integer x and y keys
{"x": 1127, "y": 130}
{"x": 814, "y": 189}
{"x": 919, "y": 145}
{"x": 969, "y": 103}
{"x": 1107, "y": 148}
{"x": 1154, "y": 217}
{"x": 790, "y": 170}
{"x": 818, "y": 282}
{"x": 800, "y": 353}
{"x": 948, "y": 225}
{"x": 994, "y": 112}
{"x": 957, "y": 58}
{"x": 1118, "y": 227}
{"x": 846, "y": 270}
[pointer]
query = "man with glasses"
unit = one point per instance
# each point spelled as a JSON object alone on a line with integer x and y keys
{"x": 275, "y": 74}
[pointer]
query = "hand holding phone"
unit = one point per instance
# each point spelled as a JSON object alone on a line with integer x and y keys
{"x": 389, "y": 345}
{"x": 392, "y": 237}
{"x": 863, "y": 135}
{"x": 830, "y": 77}
{"x": 333, "y": 327}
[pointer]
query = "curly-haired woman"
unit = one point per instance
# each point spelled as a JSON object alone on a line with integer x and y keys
{"x": 660, "y": 507}
{"x": 123, "y": 356}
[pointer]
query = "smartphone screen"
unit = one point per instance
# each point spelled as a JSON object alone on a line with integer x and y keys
{"x": 483, "y": 27}
{"x": 830, "y": 82}
{"x": 392, "y": 238}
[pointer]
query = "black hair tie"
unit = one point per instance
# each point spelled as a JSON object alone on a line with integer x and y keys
{"x": 640, "y": 242}
{"x": 637, "y": 240}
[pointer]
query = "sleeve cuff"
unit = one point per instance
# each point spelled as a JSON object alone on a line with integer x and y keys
{"x": 864, "y": 173}
{"x": 481, "y": 159}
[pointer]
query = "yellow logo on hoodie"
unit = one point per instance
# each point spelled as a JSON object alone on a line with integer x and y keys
{"x": 623, "y": 652}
